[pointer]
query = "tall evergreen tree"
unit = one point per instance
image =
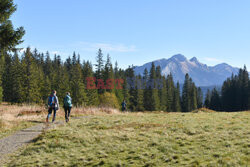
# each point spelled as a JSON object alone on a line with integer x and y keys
{"x": 7, "y": 80}
{"x": 30, "y": 78}
{"x": 207, "y": 99}
{"x": 139, "y": 94}
{"x": 108, "y": 75}
{"x": 146, "y": 92}
{"x": 199, "y": 98}
{"x": 153, "y": 91}
{"x": 186, "y": 101}
{"x": 92, "y": 95}
{"x": 77, "y": 86}
{"x": 9, "y": 37}
{"x": 177, "y": 101}
{"x": 131, "y": 86}
{"x": 99, "y": 68}
{"x": 215, "y": 103}
{"x": 170, "y": 93}
{"x": 16, "y": 72}
{"x": 193, "y": 95}
{"x": 163, "y": 94}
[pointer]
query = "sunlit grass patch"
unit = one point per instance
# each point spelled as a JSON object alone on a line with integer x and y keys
{"x": 173, "y": 139}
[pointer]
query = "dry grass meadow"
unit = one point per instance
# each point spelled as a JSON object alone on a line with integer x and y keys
{"x": 16, "y": 117}
{"x": 200, "y": 138}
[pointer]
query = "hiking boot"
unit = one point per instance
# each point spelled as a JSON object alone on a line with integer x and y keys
{"x": 47, "y": 120}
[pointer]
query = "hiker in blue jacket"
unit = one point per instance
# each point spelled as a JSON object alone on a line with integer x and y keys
{"x": 53, "y": 105}
{"x": 67, "y": 105}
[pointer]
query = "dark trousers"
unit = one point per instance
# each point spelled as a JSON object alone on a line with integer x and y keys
{"x": 50, "y": 112}
{"x": 67, "y": 112}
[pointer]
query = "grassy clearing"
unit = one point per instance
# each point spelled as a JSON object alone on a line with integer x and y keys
{"x": 144, "y": 139}
{"x": 14, "y": 117}
{"x": 17, "y": 117}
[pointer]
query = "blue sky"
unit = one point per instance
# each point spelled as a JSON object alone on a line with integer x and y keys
{"x": 139, "y": 31}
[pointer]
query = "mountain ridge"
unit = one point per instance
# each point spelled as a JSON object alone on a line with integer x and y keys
{"x": 202, "y": 74}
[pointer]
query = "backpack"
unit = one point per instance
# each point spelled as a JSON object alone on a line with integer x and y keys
{"x": 67, "y": 101}
{"x": 51, "y": 101}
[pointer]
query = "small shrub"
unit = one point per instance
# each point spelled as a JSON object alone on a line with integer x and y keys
{"x": 108, "y": 100}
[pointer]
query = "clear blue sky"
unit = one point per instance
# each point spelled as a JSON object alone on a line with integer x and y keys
{"x": 139, "y": 31}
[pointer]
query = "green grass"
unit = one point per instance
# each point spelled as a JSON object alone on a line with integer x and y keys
{"x": 5, "y": 131}
{"x": 136, "y": 139}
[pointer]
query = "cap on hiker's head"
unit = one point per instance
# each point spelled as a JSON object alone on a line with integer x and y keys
{"x": 68, "y": 93}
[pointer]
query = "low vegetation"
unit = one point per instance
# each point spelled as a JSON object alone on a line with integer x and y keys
{"x": 143, "y": 139}
{"x": 16, "y": 117}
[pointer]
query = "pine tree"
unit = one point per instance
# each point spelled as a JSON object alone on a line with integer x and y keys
{"x": 90, "y": 93}
{"x": 153, "y": 91}
{"x": 9, "y": 36}
{"x": 108, "y": 75}
{"x": 131, "y": 86}
{"x": 162, "y": 89}
{"x": 7, "y": 80}
{"x": 186, "y": 101}
{"x": 30, "y": 78}
{"x": 99, "y": 68}
{"x": 16, "y": 72}
{"x": 177, "y": 101}
{"x": 193, "y": 95}
{"x": 243, "y": 83}
{"x": 139, "y": 94}
{"x": 170, "y": 93}
{"x": 215, "y": 103}
{"x": 118, "y": 79}
{"x": 163, "y": 94}
{"x": 207, "y": 99}
{"x": 199, "y": 98}
{"x": 77, "y": 86}
{"x": 146, "y": 92}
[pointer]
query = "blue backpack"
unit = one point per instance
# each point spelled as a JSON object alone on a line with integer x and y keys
{"x": 51, "y": 101}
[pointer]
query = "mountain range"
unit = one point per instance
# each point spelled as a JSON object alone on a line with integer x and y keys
{"x": 202, "y": 74}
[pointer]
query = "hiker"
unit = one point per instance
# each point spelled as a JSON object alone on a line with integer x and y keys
{"x": 67, "y": 105}
{"x": 53, "y": 104}
{"x": 124, "y": 105}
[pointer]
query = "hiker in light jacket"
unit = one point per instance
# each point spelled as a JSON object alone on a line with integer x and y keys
{"x": 53, "y": 105}
{"x": 67, "y": 105}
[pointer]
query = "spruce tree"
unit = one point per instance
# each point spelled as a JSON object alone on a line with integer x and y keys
{"x": 199, "y": 98}
{"x": 118, "y": 80}
{"x": 131, "y": 86}
{"x": 78, "y": 93}
{"x": 92, "y": 94}
{"x": 99, "y": 68}
{"x": 30, "y": 78}
{"x": 215, "y": 103}
{"x": 9, "y": 37}
{"x": 146, "y": 92}
{"x": 153, "y": 91}
{"x": 139, "y": 94}
{"x": 7, "y": 80}
{"x": 186, "y": 100}
{"x": 163, "y": 94}
{"x": 207, "y": 99}
{"x": 16, "y": 76}
{"x": 193, "y": 95}
{"x": 170, "y": 93}
{"x": 108, "y": 75}
{"x": 177, "y": 100}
